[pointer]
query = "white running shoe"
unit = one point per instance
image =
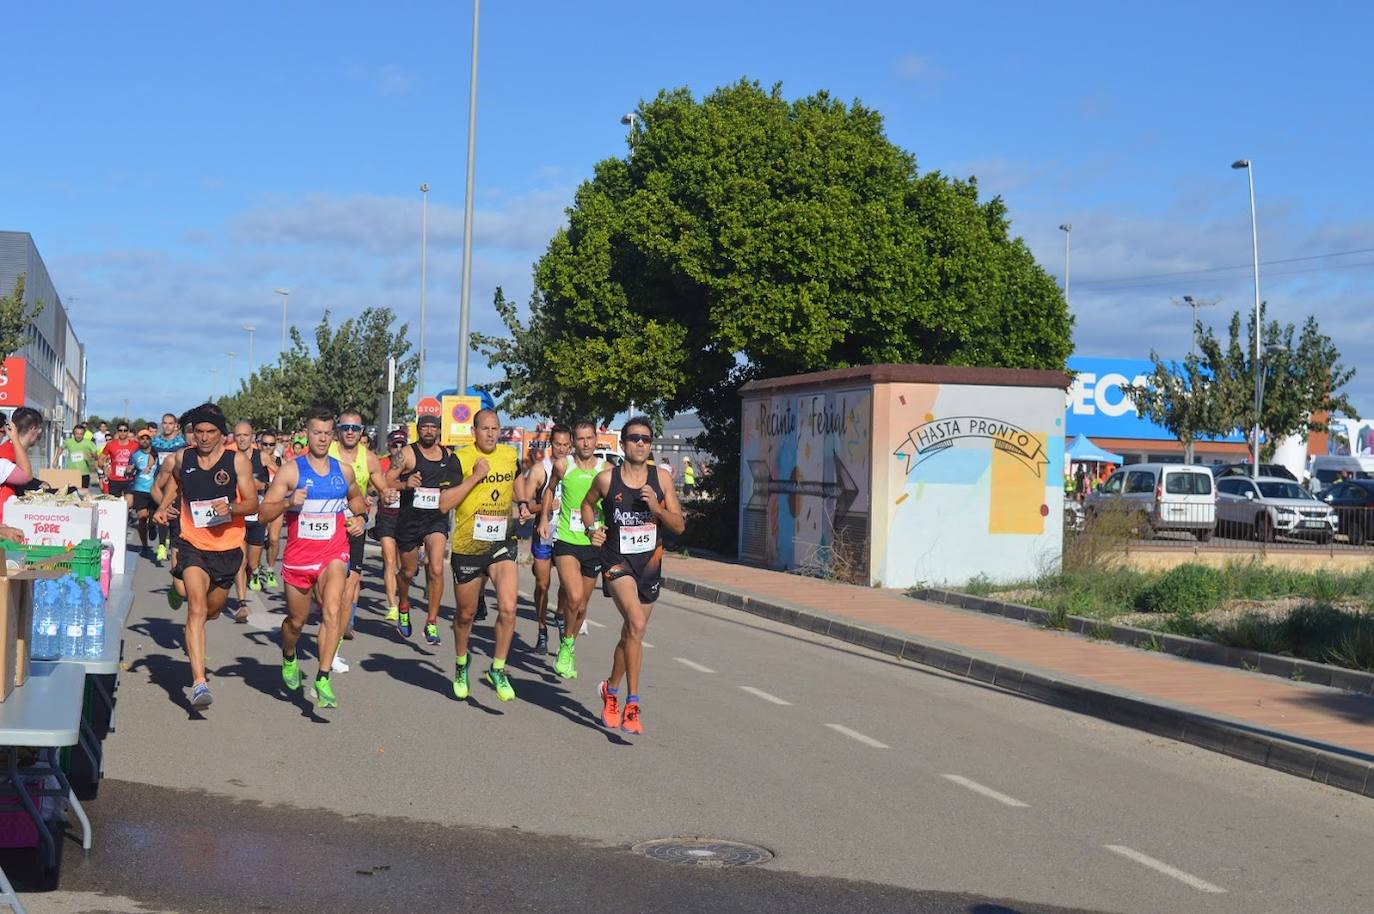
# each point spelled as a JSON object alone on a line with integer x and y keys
{"x": 340, "y": 665}
{"x": 583, "y": 629}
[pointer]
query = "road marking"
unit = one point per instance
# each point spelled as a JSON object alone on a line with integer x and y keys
{"x": 984, "y": 790}
{"x": 693, "y": 665}
{"x": 596, "y": 623}
{"x": 646, "y": 644}
{"x": 760, "y": 693}
{"x": 1160, "y": 866}
{"x": 856, "y": 735}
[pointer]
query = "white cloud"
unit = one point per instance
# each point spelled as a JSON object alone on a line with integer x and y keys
{"x": 916, "y": 66}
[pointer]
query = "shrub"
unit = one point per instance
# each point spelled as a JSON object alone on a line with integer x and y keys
{"x": 1186, "y": 589}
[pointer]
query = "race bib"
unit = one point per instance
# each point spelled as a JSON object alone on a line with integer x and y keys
{"x": 426, "y": 498}
{"x": 642, "y": 538}
{"x": 575, "y": 522}
{"x": 203, "y": 513}
{"x": 488, "y": 529}
{"x": 316, "y": 526}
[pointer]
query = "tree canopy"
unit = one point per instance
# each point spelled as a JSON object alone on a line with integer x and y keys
{"x": 15, "y": 319}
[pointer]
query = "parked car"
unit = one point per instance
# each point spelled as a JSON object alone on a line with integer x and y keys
{"x": 1073, "y": 516}
{"x": 1353, "y": 502}
{"x": 1269, "y": 506}
{"x": 1169, "y": 496}
{"x": 1331, "y": 468}
{"x": 1272, "y": 470}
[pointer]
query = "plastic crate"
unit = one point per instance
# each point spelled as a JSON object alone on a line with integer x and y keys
{"x": 84, "y": 561}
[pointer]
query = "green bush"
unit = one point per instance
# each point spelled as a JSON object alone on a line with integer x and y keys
{"x": 1186, "y": 589}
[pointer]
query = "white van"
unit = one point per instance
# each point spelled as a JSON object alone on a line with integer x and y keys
{"x": 1171, "y": 496}
{"x": 1328, "y": 469}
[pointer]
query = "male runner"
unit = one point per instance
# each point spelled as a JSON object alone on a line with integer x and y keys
{"x": 271, "y": 461}
{"x": 144, "y": 463}
{"x": 348, "y": 448}
{"x": 422, "y": 472}
{"x": 169, "y": 442}
{"x": 384, "y": 529}
{"x": 636, "y": 501}
{"x": 315, "y": 491}
{"x": 79, "y": 452}
{"x": 254, "y": 530}
{"x": 210, "y": 486}
{"x": 115, "y": 461}
{"x": 577, "y": 560}
{"x": 531, "y": 495}
{"x": 484, "y": 546}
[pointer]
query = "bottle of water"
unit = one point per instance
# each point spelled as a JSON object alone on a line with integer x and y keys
{"x": 73, "y": 622}
{"x": 95, "y": 619}
{"x": 45, "y": 620}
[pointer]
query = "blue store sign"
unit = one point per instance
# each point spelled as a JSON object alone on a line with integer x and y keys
{"x": 1099, "y": 407}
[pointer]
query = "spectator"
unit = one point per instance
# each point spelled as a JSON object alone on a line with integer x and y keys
{"x": 16, "y": 473}
{"x": 689, "y": 477}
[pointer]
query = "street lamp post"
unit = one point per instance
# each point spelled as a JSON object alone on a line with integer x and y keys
{"x": 1067, "y": 229}
{"x": 1259, "y": 328}
{"x": 250, "y": 328}
{"x": 629, "y": 119}
{"x": 466, "y": 298}
{"x": 1194, "y": 304}
{"x": 424, "y": 250}
{"x": 229, "y": 372}
{"x": 281, "y": 356}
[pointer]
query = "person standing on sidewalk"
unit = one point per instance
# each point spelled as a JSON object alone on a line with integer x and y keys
{"x": 636, "y": 501}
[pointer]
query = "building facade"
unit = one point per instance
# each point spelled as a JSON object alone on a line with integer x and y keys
{"x": 52, "y": 377}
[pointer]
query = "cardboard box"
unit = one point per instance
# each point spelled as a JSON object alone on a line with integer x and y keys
{"x": 61, "y": 480}
{"x": 112, "y": 526}
{"x": 16, "y": 622}
{"x": 51, "y": 525}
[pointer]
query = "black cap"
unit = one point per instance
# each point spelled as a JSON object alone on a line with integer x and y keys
{"x": 427, "y": 420}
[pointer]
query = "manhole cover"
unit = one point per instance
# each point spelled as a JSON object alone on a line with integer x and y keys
{"x": 703, "y": 852}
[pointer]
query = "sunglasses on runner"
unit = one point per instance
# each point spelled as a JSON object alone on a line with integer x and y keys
{"x": 122, "y": 428}
{"x": 350, "y": 427}
{"x": 640, "y": 439}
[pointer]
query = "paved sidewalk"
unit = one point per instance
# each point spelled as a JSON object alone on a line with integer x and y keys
{"x": 1293, "y": 726}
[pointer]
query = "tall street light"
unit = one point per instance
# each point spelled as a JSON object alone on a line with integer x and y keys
{"x": 285, "y": 297}
{"x": 424, "y": 250}
{"x": 1194, "y": 303}
{"x": 465, "y": 301}
{"x": 250, "y": 328}
{"x": 1067, "y": 229}
{"x": 229, "y": 373}
{"x": 1259, "y": 329}
{"x": 629, "y": 119}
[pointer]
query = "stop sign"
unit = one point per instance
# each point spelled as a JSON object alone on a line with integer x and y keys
{"x": 428, "y": 406}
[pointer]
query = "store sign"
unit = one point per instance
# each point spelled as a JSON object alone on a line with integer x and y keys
{"x": 12, "y": 382}
{"x": 1098, "y": 405}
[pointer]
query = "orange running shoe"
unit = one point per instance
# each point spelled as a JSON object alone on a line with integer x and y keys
{"x": 610, "y": 707}
{"x": 632, "y": 724}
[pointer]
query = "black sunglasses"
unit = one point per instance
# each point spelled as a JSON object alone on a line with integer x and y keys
{"x": 122, "y": 428}
{"x": 640, "y": 439}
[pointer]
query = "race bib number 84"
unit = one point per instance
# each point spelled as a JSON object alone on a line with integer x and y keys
{"x": 488, "y": 529}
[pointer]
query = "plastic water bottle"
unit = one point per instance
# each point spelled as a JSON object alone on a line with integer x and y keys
{"x": 73, "y": 623}
{"x": 45, "y": 620}
{"x": 94, "y": 606}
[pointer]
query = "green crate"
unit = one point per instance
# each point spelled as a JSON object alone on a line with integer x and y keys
{"x": 84, "y": 563}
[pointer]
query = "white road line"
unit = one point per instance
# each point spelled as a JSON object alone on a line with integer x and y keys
{"x": 856, "y": 735}
{"x": 1159, "y": 866}
{"x": 646, "y": 644}
{"x": 595, "y": 623}
{"x": 984, "y": 790}
{"x": 760, "y": 693}
{"x": 693, "y": 665}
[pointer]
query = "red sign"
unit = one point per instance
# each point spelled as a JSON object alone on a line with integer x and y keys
{"x": 461, "y": 413}
{"x": 12, "y": 381}
{"x": 428, "y": 407}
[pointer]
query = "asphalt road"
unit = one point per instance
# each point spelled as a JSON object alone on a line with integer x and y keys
{"x": 878, "y": 785}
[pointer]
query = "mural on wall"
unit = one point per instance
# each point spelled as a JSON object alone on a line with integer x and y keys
{"x": 805, "y": 461}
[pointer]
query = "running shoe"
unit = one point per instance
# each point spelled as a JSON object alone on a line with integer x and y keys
{"x": 162, "y": 552}
{"x": 501, "y": 683}
{"x": 481, "y": 615}
{"x": 404, "y": 625}
{"x": 560, "y": 666}
{"x": 460, "y": 682}
{"x": 291, "y": 673}
{"x": 583, "y": 629}
{"x": 270, "y": 579}
{"x": 610, "y": 707}
{"x": 174, "y": 599}
{"x": 571, "y": 667}
{"x": 339, "y": 665}
{"x": 431, "y": 633}
{"x": 241, "y": 614}
{"x": 631, "y": 723}
{"x": 201, "y": 697}
{"x": 348, "y": 634}
{"x": 541, "y": 643}
{"x": 324, "y": 694}
{"x": 255, "y": 581}
{"x": 393, "y": 614}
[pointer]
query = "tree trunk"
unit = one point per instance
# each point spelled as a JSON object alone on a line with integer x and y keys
{"x": 1188, "y": 451}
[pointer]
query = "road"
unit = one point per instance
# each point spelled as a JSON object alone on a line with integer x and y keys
{"x": 879, "y": 785}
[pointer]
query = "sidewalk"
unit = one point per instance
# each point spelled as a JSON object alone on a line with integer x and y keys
{"x": 1312, "y": 731}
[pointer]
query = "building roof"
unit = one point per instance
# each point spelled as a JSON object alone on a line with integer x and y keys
{"x": 916, "y": 374}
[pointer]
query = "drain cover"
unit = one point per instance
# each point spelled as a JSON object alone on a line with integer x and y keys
{"x": 703, "y": 852}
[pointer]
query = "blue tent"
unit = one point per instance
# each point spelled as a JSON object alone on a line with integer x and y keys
{"x": 1084, "y": 451}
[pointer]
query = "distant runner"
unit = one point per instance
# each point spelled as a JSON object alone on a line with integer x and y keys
{"x": 165, "y": 445}
{"x": 348, "y": 448}
{"x": 577, "y": 559}
{"x": 144, "y": 463}
{"x": 254, "y": 531}
{"x": 532, "y": 487}
{"x": 79, "y": 452}
{"x": 424, "y": 470}
{"x": 388, "y": 512}
{"x": 116, "y": 462}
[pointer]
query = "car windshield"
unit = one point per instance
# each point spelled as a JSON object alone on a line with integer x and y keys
{"x": 1284, "y": 490}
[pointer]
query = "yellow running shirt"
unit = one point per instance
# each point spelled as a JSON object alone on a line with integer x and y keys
{"x": 482, "y": 522}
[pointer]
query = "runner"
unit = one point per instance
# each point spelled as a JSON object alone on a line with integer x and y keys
{"x": 165, "y": 445}
{"x": 531, "y": 494}
{"x": 144, "y": 463}
{"x": 211, "y": 487}
{"x": 484, "y": 546}
{"x": 254, "y": 530}
{"x": 388, "y": 511}
{"x": 348, "y": 448}
{"x": 101, "y": 436}
{"x": 423, "y": 470}
{"x": 315, "y": 491}
{"x": 79, "y": 453}
{"x": 636, "y": 501}
{"x": 115, "y": 463}
{"x": 270, "y": 453}
{"x": 577, "y": 560}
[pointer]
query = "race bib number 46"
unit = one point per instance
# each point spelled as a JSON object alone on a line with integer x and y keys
{"x": 488, "y": 529}
{"x": 317, "y": 526}
{"x": 642, "y": 538}
{"x": 203, "y": 513}
{"x": 426, "y": 498}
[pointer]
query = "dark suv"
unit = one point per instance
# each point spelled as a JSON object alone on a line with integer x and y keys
{"x": 1243, "y": 469}
{"x": 1353, "y": 501}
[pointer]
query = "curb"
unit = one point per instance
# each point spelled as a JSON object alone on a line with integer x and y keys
{"x": 1308, "y": 671}
{"x": 1313, "y": 761}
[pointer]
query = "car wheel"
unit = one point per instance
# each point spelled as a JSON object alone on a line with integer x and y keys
{"x": 1264, "y": 530}
{"x": 1357, "y": 534}
{"x": 1325, "y": 539}
{"x": 1203, "y": 536}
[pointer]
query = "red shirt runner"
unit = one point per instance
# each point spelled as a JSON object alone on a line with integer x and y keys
{"x": 120, "y": 454}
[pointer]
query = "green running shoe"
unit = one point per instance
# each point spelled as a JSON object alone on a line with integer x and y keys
{"x": 162, "y": 552}
{"x": 460, "y": 683}
{"x": 566, "y": 664}
{"x": 270, "y": 579}
{"x": 572, "y": 662}
{"x": 174, "y": 599}
{"x": 291, "y": 673}
{"x": 324, "y": 694}
{"x": 501, "y": 683}
{"x": 255, "y": 581}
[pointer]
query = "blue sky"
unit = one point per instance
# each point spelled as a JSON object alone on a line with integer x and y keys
{"x": 176, "y": 162}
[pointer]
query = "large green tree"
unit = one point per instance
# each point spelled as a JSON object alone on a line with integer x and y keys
{"x": 1184, "y": 398}
{"x": 746, "y": 236}
{"x": 15, "y": 318}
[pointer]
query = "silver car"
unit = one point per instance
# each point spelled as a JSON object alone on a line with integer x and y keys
{"x": 1269, "y": 506}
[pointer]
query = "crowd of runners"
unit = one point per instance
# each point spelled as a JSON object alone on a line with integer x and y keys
{"x": 219, "y": 499}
